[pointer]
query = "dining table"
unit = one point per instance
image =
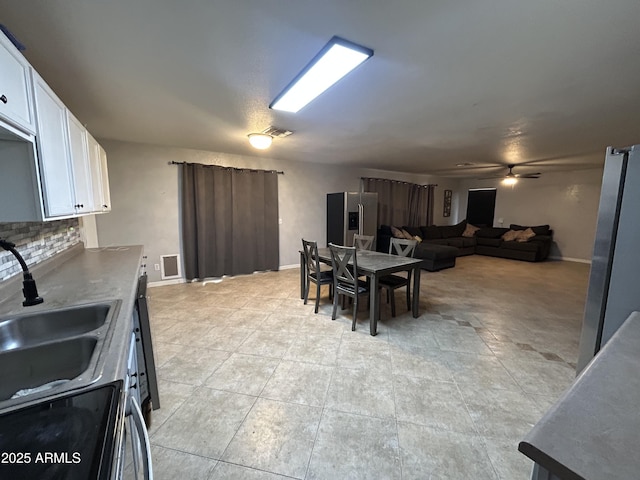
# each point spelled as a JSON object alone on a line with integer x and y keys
{"x": 374, "y": 265}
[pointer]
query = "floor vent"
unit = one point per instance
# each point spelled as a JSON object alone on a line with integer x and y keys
{"x": 170, "y": 266}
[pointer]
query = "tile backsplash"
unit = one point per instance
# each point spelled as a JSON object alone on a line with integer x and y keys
{"x": 36, "y": 242}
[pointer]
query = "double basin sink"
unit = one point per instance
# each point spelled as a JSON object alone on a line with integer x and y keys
{"x": 48, "y": 351}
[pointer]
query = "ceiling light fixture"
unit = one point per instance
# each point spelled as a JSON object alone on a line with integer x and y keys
{"x": 260, "y": 141}
{"x": 334, "y": 61}
{"x": 510, "y": 181}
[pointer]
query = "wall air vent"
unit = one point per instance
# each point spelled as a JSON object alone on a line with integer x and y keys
{"x": 277, "y": 132}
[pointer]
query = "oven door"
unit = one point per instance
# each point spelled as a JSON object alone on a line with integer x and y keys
{"x": 147, "y": 380}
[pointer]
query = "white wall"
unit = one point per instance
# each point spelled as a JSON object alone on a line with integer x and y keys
{"x": 568, "y": 201}
{"x": 145, "y": 198}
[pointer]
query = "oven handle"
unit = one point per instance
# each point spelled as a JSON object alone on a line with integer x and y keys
{"x": 138, "y": 420}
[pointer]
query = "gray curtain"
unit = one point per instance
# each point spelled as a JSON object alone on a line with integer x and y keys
{"x": 402, "y": 203}
{"x": 229, "y": 221}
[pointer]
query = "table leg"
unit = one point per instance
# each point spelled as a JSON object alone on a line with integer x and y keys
{"x": 416, "y": 291}
{"x": 374, "y": 307}
{"x": 303, "y": 274}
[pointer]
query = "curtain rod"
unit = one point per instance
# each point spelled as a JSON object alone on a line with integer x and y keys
{"x": 398, "y": 181}
{"x": 227, "y": 168}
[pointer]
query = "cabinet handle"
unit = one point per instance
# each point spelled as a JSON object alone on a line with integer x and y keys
{"x": 4, "y": 99}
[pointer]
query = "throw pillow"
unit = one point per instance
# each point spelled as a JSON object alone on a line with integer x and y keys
{"x": 396, "y": 232}
{"x": 406, "y": 235}
{"x": 538, "y": 229}
{"x": 511, "y": 235}
{"x": 525, "y": 235}
{"x": 470, "y": 230}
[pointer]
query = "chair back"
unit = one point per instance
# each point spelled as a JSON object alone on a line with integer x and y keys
{"x": 340, "y": 257}
{"x": 402, "y": 247}
{"x": 363, "y": 242}
{"x": 311, "y": 256}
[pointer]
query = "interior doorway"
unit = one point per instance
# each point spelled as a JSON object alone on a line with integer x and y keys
{"x": 481, "y": 206}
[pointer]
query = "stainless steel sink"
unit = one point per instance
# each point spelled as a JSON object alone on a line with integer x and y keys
{"x": 43, "y": 326}
{"x": 28, "y": 368}
{"x": 60, "y": 349}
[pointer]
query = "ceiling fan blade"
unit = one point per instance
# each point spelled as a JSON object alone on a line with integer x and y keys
{"x": 528, "y": 175}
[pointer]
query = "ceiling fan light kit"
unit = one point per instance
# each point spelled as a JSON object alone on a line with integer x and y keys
{"x": 512, "y": 178}
{"x": 334, "y": 61}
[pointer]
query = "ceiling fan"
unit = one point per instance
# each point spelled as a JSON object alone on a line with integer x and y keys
{"x": 511, "y": 178}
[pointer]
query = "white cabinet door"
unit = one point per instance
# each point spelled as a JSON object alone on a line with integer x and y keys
{"x": 53, "y": 152}
{"x": 16, "y": 106}
{"x": 79, "y": 150}
{"x": 99, "y": 176}
{"x": 106, "y": 194}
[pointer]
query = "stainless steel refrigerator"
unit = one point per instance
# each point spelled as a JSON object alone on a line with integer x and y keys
{"x": 614, "y": 281}
{"x": 349, "y": 213}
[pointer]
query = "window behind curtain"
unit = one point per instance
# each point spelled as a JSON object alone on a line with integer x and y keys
{"x": 229, "y": 221}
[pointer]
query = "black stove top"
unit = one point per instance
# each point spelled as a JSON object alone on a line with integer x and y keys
{"x": 66, "y": 438}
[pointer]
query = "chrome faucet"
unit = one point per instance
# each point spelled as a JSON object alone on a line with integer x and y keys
{"x": 29, "y": 289}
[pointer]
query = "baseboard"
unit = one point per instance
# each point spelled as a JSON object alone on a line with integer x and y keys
{"x": 289, "y": 267}
{"x": 162, "y": 283}
{"x": 570, "y": 259}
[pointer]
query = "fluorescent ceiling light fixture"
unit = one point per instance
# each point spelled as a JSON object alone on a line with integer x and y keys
{"x": 335, "y": 60}
{"x": 260, "y": 141}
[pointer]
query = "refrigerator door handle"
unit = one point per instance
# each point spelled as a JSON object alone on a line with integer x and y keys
{"x": 360, "y": 219}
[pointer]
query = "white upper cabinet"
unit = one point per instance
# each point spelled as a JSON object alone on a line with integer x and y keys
{"x": 81, "y": 166}
{"x": 51, "y": 166}
{"x": 16, "y": 106}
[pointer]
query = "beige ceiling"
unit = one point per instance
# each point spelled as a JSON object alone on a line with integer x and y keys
{"x": 549, "y": 83}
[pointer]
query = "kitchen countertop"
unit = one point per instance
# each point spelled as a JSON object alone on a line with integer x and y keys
{"x": 91, "y": 275}
{"x": 592, "y": 431}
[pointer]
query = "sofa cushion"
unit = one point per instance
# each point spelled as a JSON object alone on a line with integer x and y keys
{"x": 470, "y": 230}
{"x": 491, "y": 232}
{"x": 510, "y": 235}
{"x": 468, "y": 242}
{"x": 455, "y": 241}
{"x": 522, "y": 246}
{"x": 538, "y": 229}
{"x": 413, "y": 231}
{"x": 489, "y": 242}
{"x": 448, "y": 231}
{"x": 430, "y": 232}
{"x": 540, "y": 239}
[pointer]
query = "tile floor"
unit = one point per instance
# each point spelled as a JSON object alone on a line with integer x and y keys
{"x": 255, "y": 386}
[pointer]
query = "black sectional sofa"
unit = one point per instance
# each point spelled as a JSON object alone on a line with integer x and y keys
{"x": 483, "y": 241}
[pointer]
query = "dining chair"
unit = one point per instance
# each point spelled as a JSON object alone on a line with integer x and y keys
{"x": 363, "y": 242}
{"x": 403, "y": 248}
{"x": 314, "y": 273}
{"x": 345, "y": 282}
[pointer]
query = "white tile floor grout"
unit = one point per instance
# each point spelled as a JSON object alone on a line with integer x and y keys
{"x": 254, "y": 385}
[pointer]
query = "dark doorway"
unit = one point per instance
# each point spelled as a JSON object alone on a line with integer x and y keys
{"x": 481, "y": 205}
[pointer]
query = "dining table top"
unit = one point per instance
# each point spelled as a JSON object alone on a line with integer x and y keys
{"x": 375, "y": 262}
